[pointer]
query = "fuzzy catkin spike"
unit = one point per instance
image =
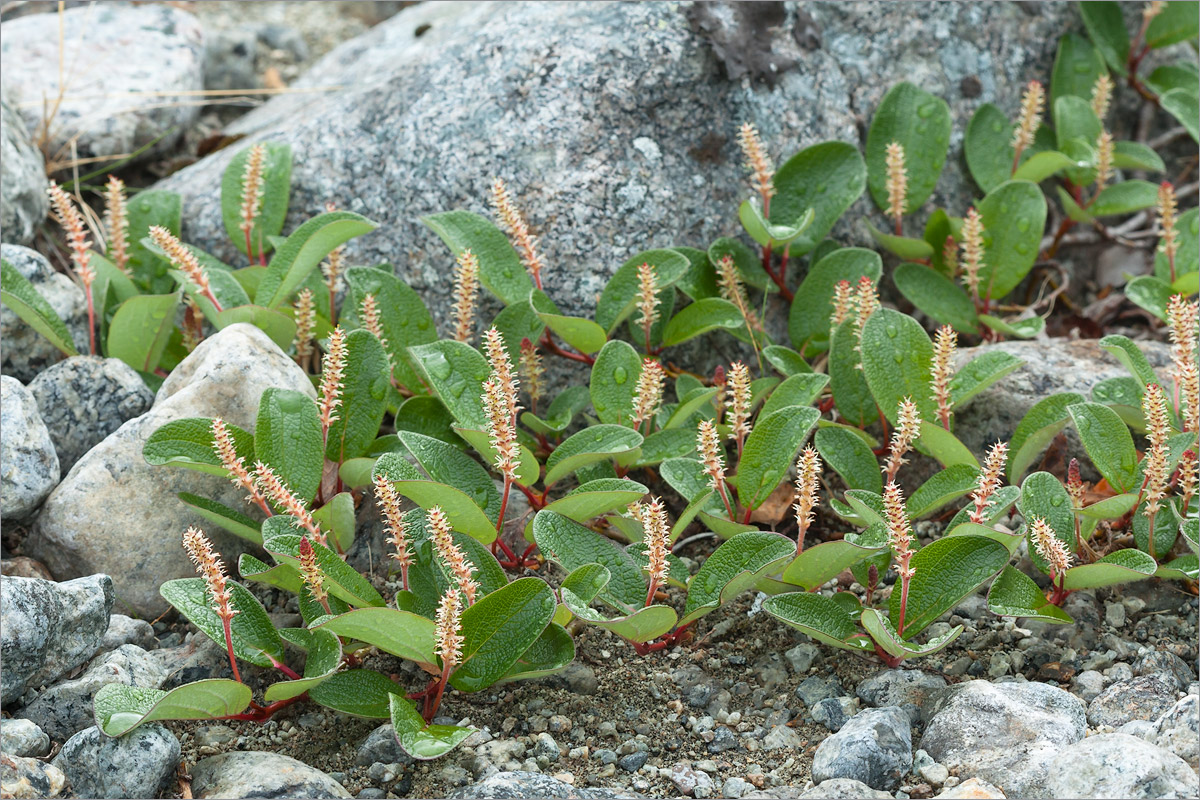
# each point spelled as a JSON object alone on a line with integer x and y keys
{"x": 908, "y": 428}
{"x": 282, "y": 496}
{"x": 116, "y": 223}
{"x": 972, "y": 250}
{"x": 184, "y": 260}
{"x": 531, "y": 371}
{"x": 843, "y": 303}
{"x": 808, "y": 485}
{"x": 306, "y": 323}
{"x": 647, "y": 298}
{"x": 866, "y": 300}
{"x": 649, "y": 393}
{"x": 1033, "y": 102}
{"x": 500, "y": 405}
{"x": 730, "y": 284}
{"x": 395, "y": 527}
{"x": 1158, "y": 431}
{"x": 210, "y": 567}
{"x": 449, "y": 623}
{"x": 658, "y": 534}
{"x": 450, "y": 553}
{"x": 369, "y": 315}
{"x": 333, "y": 368}
{"x": 757, "y": 161}
{"x": 708, "y": 444}
{"x": 942, "y": 371}
{"x": 989, "y": 481}
{"x": 236, "y": 465}
{"x": 1075, "y": 484}
{"x": 1102, "y": 91}
{"x": 899, "y": 528}
{"x": 738, "y": 405}
{"x": 252, "y": 186}
{"x": 1049, "y": 547}
{"x": 1104, "y": 159}
{"x": 1169, "y": 244}
{"x": 71, "y": 221}
{"x": 950, "y": 255}
{"x": 1189, "y": 477}
{"x": 1152, "y": 10}
{"x": 310, "y": 572}
{"x": 514, "y": 223}
{"x": 897, "y": 181}
{"x": 466, "y": 291}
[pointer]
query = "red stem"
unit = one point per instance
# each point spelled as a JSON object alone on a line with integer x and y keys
{"x": 284, "y": 668}
{"x": 262, "y": 713}
{"x": 434, "y": 700}
{"x": 508, "y": 482}
{"x": 725, "y": 499}
{"x": 558, "y": 351}
{"x": 904, "y": 580}
{"x": 225, "y": 623}
{"x": 91, "y": 319}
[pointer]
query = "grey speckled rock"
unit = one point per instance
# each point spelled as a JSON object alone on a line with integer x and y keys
{"x": 28, "y": 464}
{"x": 1178, "y": 730}
{"x": 126, "y": 630}
{"x": 232, "y": 776}
{"x": 1116, "y": 765}
{"x": 23, "y": 200}
{"x": 136, "y": 765}
{"x": 844, "y": 789}
{"x": 381, "y": 746}
{"x": 874, "y": 747}
{"x": 20, "y": 737}
{"x": 26, "y": 352}
{"x": 593, "y": 114}
{"x": 112, "y": 105}
{"x": 1146, "y": 697}
{"x": 48, "y": 629}
{"x": 76, "y": 530}
{"x": 899, "y": 687}
{"x": 29, "y": 779}
{"x": 529, "y": 785}
{"x": 1002, "y": 733}
{"x": 66, "y": 707}
{"x": 84, "y": 399}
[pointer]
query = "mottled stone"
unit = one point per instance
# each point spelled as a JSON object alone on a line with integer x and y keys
{"x": 77, "y": 531}
{"x": 66, "y": 707}
{"x": 843, "y": 789}
{"x": 28, "y": 464}
{"x": 381, "y": 746}
{"x": 29, "y": 779}
{"x": 527, "y": 785}
{"x": 1167, "y": 665}
{"x": 137, "y": 58}
{"x": 23, "y": 200}
{"x": 971, "y": 789}
{"x": 899, "y": 687}
{"x": 20, "y": 737}
{"x": 48, "y": 629}
{"x": 1116, "y": 765}
{"x": 253, "y": 773}
{"x": 1178, "y": 730}
{"x": 874, "y": 747}
{"x": 1146, "y": 697}
{"x": 26, "y": 352}
{"x": 136, "y": 765}
{"x": 1004, "y": 733}
{"x": 84, "y": 399}
{"x": 126, "y": 630}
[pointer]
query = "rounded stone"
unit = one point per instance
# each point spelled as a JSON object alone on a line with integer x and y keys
{"x": 29, "y": 467}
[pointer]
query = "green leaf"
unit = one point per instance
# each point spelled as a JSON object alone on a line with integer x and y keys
{"x": 1107, "y": 442}
{"x": 770, "y": 451}
{"x": 418, "y": 739}
{"x": 1036, "y": 429}
{"x": 1072, "y": 209}
{"x": 819, "y": 617}
{"x": 139, "y": 331}
{"x": 692, "y": 404}
{"x": 850, "y": 457}
{"x": 816, "y": 565}
{"x": 808, "y": 320}
{"x": 1043, "y": 165}
{"x": 287, "y": 438}
{"x": 402, "y": 633}
{"x": 1106, "y": 28}
{"x": 582, "y": 334}
{"x": 1021, "y": 328}
{"x": 920, "y": 123}
{"x": 254, "y": 637}
{"x": 701, "y": 317}
{"x": 561, "y": 412}
{"x": 1043, "y": 495}
{"x": 896, "y": 357}
{"x": 798, "y": 390}
{"x": 1179, "y": 75}
{"x": 402, "y": 315}
{"x": 700, "y": 280}
{"x": 1077, "y": 130}
{"x": 786, "y": 360}
{"x": 364, "y": 397}
{"x": 938, "y": 297}
{"x": 1177, "y": 22}
{"x": 235, "y": 522}
{"x": 1014, "y": 217}
{"x": 571, "y": 546}
{"x": 890, "y": 641}
{"x": 668, "y": 443}
{"x": 553, "y": 651}
{"x": 1110, "y": 507}
{"x": 337, "y": 517}
{"x": 735, "y": 566}
{"x": 620, "y": 294}
{"x": 1122, "y": 566}
{"x": 455, "y": 371}
{"x": 641, "y": 625}
{"x": 597, "y": 443}
{"x": 324, "y": 658}
{"x": 941, "y": 489}
{"x": 500, "y": 269}
{"x": 1184, "y": 106}
{"x": 1150, "y": 293}
{"x": 1187, "y": 259}
{"x": 598, "y": 497}
{"x": 979, "y": 373}
{"x": 20, "y": 296}
{"x": 281, "y": 538}
{"x": 851, "y": 394}
{"x": 1131, "y": 356}
{"x": 463, "y": 513}
{"x": 1124, "y": 198}
{"x": 281, "y": 576}
{"x": 276, "y": 187}
{"x": 906, "y": 247}
{"x": 357, "y": 692}
{"x": 428, "y": 417}
{"x": 1014, "y": 594}
{"x": 1135, "y": 155}
{"x": 988, "y": 147}
{"x": 527, "y": 468}
{"x": 303, "y": 250}
{"x": 749, "y": 264}
{"x": 498, "y": 628}
{"x": 515, "y": 322}
{"x": 189, "y": 443}
{"x": 947, "y": 570}
{"x": 1166, "y": 529}
{"x": 275, "y": 324}
{"x": 828, "y": 178}
{"x": 614, "y": 381}
{"x": 1184, "y": 568}
{"x": 1076, "y": 67}
{"x": 119, "y": 708}
{"x": 449, "y": 465}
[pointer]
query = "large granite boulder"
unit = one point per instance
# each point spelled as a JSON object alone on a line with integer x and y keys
{"x": 26, "y": 352}
{"x": 23, "y": 200}
{"x": 29, "y": 467}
